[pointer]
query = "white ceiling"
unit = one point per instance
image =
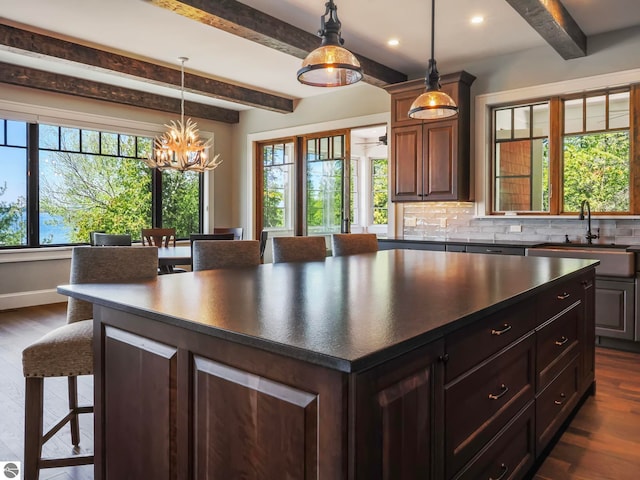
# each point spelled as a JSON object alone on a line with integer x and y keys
{"x": 140, "y": 29}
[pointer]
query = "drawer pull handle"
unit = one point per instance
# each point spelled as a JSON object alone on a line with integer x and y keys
{"x": 503, "y": 471}
{"x": 564, "y": 296}
{"x": 505, "y": 329}
{"x": 504, "y": 389}
{"x": 562, "y": 341}
{"x": 560, "y": 402}
{"x": 493, "y": 250}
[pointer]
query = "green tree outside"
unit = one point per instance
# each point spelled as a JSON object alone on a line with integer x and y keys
{"x": 596, "y": 168}
{"x": 13, "y": 227}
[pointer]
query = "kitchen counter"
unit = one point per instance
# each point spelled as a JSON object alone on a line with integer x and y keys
{"x": 288, "y": 369}
{"x": 451, "y": 241}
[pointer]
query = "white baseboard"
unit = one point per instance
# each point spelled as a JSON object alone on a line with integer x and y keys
{"x": 30, "y": 299}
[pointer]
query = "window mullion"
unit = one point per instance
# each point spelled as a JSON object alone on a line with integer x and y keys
{"x": 33, "y": 186}
{"x": 556, "y": 122}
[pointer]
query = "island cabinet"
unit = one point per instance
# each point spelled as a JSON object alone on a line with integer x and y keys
{"x": 513, "y": 379}
{"x": 430, "y": 159}
{"x": 327, "y": 371}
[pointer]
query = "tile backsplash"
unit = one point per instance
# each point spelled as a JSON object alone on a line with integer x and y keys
{"x": 456, "y": 221}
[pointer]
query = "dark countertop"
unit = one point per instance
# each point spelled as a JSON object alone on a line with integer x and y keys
{"x": 346, "y": 313}
{"x": 501, "y": 243}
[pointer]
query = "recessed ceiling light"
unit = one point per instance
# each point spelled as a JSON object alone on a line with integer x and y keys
{"x": 394, "y": 42}
{"x": 477, "y": 19}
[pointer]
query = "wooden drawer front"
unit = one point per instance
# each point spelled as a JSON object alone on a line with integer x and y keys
{"x": 496, "y": 250}
{"x": 510, "y": 455}
{"x": 557, "y": 298}
{"x": 471, "y": 345}
{"x": 557, "y": 343}
{"x": 479, "y": 404}
{"x": 555, "y": 403}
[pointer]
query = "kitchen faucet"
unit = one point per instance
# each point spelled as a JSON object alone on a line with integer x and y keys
{"x": 589, "y": 236}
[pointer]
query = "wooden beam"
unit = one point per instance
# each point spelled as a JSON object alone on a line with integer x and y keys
{"x": 251, "y": 24}
{"x": 32, "y": 78}
{"x": 31, "y": 42}
{"x": 554, "y": 23}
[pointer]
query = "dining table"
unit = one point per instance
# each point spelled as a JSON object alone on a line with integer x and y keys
{"x": 169, "y": 257}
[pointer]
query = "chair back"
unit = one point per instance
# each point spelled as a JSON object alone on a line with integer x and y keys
{"x": 298, "y": 249}
{"x": 352, "y": 243}
{"x": 92, "y": 240}
{"x": 112, "y": 240}
{"x": 108, "y": 264}
{"x": 264, "y": 234}
{"x": 237, "y": 231}
{"x": 159, "y": 237}
{"x": 212, "y": 254}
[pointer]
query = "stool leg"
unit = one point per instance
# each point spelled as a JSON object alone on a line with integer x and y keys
{"x": 73, "y": 407}
{"x": 33, "y": 426}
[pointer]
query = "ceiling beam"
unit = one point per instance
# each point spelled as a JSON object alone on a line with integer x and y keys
{"x": 251, "y": 24}
{"x": 41, "y": 80}
{"x": 554, "y": 23}
{"x": 35, "y": 43}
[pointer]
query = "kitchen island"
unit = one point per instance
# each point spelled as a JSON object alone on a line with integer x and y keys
{"x": 397, "y": 364}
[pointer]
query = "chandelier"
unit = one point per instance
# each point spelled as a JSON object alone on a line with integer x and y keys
{"x": 180, "y": 148}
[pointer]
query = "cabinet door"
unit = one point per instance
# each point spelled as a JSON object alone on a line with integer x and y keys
{"x": 406, "y": 168}
{"x": 615, "y": 309}
{"x": 440, "y": 161}
{"x": 399, "y": 418}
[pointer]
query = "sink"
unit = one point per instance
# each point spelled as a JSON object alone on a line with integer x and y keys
{"x": 584, "y": 246}
{"x": 614, "y": 260}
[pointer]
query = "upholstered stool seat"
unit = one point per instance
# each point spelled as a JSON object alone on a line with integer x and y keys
{"x": 64, "y": 352}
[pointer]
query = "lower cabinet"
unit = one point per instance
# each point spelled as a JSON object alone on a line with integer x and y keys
{"x": 615, "y": 308}
{"x": 513, "y": 379}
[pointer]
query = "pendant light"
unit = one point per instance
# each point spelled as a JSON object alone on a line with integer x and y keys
{"x": 330, "y": 65}
{"x": 433, "y": 103}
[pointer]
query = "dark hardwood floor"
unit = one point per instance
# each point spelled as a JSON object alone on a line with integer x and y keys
{"x": 18, "y": 328}
{"x": 601, "y": 443}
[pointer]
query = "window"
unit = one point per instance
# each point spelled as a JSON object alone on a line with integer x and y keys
{"x": 596, "y": 153}
{"x": 325, "y": 161}
{"x": 538, "y": 169}
{"x": 521, "y": 158}
{"x": 13, "y": 183}
{"x": 87, "y": 180}
{"x": 380, "y": 191}
{"x": 277, "y": 159}
{"x": 316, "y": 185}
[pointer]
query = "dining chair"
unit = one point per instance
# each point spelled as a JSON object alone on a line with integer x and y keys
{"x": 212, "y": 254}
{"x": 352, "y": 243}
{"x": 92, "y": 240}
{"x": 111, "y": 240}
{"x": 237, "y": 231}
{"x": 299, "y": 249}
{"x": 264, "y": 234}
{"x": 159, "y": 237}
{"x": 67, "y": 351}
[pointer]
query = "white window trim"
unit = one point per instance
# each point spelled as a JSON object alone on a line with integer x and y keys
{"x": 482, "y": 120}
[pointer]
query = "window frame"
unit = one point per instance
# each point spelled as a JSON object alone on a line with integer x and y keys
{"x": 556, "y": 141}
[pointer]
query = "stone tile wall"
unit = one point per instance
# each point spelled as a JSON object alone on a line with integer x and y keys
{"x": 455, "y": 221}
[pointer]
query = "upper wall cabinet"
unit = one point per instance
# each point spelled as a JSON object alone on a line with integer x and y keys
{"x": 430, "y": 158}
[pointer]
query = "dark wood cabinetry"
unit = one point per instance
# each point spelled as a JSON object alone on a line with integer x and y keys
{"x": 430, "y": 159}
{"x": 423, "y": 372}
{"x": 615, "y": 309}
{"x": 513, "y": 379}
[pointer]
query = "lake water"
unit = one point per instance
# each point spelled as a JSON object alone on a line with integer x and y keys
{"x": 53, "y": 226}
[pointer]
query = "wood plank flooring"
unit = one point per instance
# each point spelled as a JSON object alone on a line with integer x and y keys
{"x": 19, "y": 328}
{"x": 601, "y": 443}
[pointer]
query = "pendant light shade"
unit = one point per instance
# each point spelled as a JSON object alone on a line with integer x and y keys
{"x": 330, "y": 65}
{"x": 434, "y": 103}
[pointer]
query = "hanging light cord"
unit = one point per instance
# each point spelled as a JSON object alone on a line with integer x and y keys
{"x": 433, "y": 29}
{"x": 182, "y": 59}
{"x": 433, "y": 77}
